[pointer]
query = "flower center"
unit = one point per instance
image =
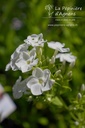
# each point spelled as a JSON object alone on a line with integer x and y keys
{"x": 40, "y": 81}
{"x": 28, "y": 62}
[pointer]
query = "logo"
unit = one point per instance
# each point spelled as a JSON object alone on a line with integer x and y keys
{"x": 49, "y": 8}
{"x": 63, "y": 15}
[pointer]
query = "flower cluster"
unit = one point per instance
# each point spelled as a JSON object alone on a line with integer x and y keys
{"x": 46, "y": 69}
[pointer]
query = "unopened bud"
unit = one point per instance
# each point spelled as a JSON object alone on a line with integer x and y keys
{"x": 74, "y": 108}
{"x": 79, "y": 96}
{"x": 57, "y": 72}
{"x": 39, "y": 52}
{"x": 69, "y": 74}
{"x": 76, "y": 123}
{"x": 63, "y": 63}
{"x": 72, "y": 64}
{"x": 83, "y": 87}
{"x": 49, "y": 98}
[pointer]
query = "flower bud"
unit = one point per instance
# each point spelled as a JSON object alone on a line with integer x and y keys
{"x": 69, "y": 74}
{"x": 57, "y": 72}
{"x": 76, "y": 123}
{"x": 79, "y": 96}
{"x": 49, "y": 98}
{"x": 83, "y": 87}
{"x": 39, "y": 52}
{"x": 72, "y": 64}
{"x": 63, "y": 63}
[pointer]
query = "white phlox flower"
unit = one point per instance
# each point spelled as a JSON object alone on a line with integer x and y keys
{"x": 35, "y": 40}
{"x": 19, "y": 88}
{"x": 58, "y": 46}
{"x": 66, "y": 57}
{"x": 27, "y": 60}
{"x": 40, "y": 81}
{"x": 23, "y": 60}
{"x": 21, "y": 48}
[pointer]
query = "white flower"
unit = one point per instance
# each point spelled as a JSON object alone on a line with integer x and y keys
{"x": 15, "y": 56}
{"x": 27, "y": 60}
{"x": 66, "y": 57}
{"x": 22, "y": 59}
{"x": 40, "y": 81}
{"x": 19, "y": 88}
{"x": 58, "y": 46}
{"x": 35, "y": 40}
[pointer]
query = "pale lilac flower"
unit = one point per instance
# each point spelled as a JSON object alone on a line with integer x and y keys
{"x": 35, "y": 40}
{"x": 58, "y": 46}
{"x": 66, "y": 57}
{"x": 19, "y": 88}
{"x": 40, "y": 81}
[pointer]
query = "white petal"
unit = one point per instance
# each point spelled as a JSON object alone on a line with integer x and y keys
{"x": 22, "y": 65}
{"x": 31, "y": 81}
{"x": 60, "y": 56}
{"x": 66, "y": 57}
{"x": 17, "y": 93}
{"x": 25, "y": 55}
{"x": 33, "y": 52}
{"x": 46, "y": 73}
{"x": 19, "y": 87}
{"x": 13, "y": 66}
{"x": 37, "y": 73}
{"x": 63, "y": 49}
{"x": 36, "y": 89}
{"x": 14, "y": 55}
{"x": 8, "y": 66}
{"x": 48, "y": 85}
{"x": 22, "y": 47}
{"x": 58, "y": 46}
{"x": 55, "y": 45}
{"x": 34, "y": 62}
{"x": 35, "y": 40}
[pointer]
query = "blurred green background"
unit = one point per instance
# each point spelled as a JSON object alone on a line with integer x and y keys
{"x": 18, "y": 19}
